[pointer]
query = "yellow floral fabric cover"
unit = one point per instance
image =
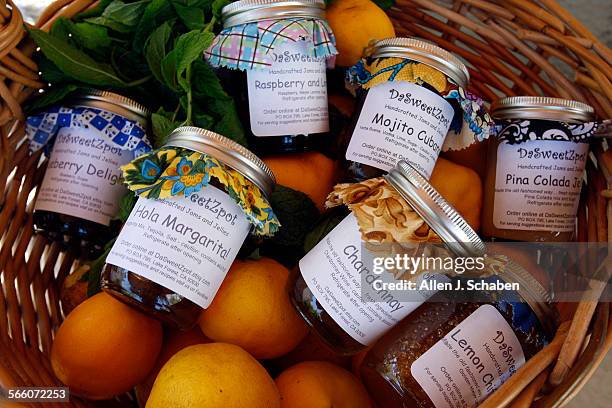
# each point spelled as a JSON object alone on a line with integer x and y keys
{"x": 173, "y": 172}
{"x": 472, "y": 123}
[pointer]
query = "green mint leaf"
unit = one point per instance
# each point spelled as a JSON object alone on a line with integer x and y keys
{"x": 217, "y": 6}
{"x": 93, "y": 12}
{"x": 229, "y": 125}
{"x": 296, "y": 213}
{"x": 155, "y": 49}
{"x": 162, "y": 125}
{"x": 51, "y": 96}
{"x": 93, "y": 284}
{"x": 385, "y": 4}
{"x": 84, "y": 35}
{"x": 203, "y": 120}
{"x": 206, "y": 83}
{"x": 75, "y": 63}
{"x": 190, "y": 47}
{"x": 192, "y": 17}
{"x": 323, "y": 228}
{"x": 156, "y": 13}
{"x": 120, "y": 16}
{"x": 127, "y": 203}
{"x": 168, "y": 71}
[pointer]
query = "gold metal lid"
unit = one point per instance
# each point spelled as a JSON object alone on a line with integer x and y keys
{"x": 542, "y": 107}
{"x": 226, "y": 150}
{"x": 113, "y": 102}
{"x": 250, "y": 11}
{"x": 423, "y": 52}
{"x": 452, "y": 228}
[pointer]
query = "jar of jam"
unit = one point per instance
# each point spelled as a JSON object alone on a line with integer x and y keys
{"x": 403, "y": 110}
{"x": 334, "y": 287}
{"x": 535, "y": 167}
{"x": 200, "y": 195}
{"x": 91, "y": 137}
{"x": 453, "y": 351}
{"x": 272, "y": 58}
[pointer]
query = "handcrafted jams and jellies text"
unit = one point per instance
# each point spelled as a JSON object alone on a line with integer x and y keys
{"x": 400, "y": 121}
{"x": 290, "y": 97}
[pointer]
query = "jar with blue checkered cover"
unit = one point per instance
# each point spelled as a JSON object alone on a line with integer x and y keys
{"x": 85, "y": 141}
{"x": 272, "y": 57}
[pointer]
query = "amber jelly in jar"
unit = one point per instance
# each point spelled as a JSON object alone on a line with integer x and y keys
{"x": 401, "y": 113}
{"x": 172, "y": 254}
{"x": 535, "y": 167}
{"x": 327, "y": 291}
{"x": 81, "y": 190}
{"x": 457, "y": 348}
{"x": 272, "y": 58}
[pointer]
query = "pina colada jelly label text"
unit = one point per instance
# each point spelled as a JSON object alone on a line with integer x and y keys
{"x": 290, "y": 97}
{"x": 185, "y": 244}
{"x": 83, "y": 177}
{"x": 537, "y": 185}
{"x": 400, "y": 121}
{"x": 471, "y": 361}
{"x": 334, "y": 271}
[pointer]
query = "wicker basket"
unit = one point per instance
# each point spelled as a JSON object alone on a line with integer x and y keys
{"x": 512, "y": 46}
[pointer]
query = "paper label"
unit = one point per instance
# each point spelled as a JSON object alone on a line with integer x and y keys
{"x": 333, "y": 272}
{"x": 185, "y": 244}
{"x": 400, "y": 120}
{"x": 83, "y": 178}
{"x": 290, "y": 97}
{"x": 470, "y": 362}
{"x": 537, "y": 185}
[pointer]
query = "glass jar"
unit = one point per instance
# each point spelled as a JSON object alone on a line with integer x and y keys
{"x": 173, "y": 253}
{"x": 328, "y": 281}
{"x": 401, "y": 113}
{"x": 272, "y": 58}
{"x": 535, "y": 167}
{"x": 93, "y": 135}
{"x": 453, "y": 351}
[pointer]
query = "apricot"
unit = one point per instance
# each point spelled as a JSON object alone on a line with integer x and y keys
{"x": 104, "y": 348}
{"x": 252, "y": 309}
{"x": 312, "y": 173}
{"x": 319, "y": 384}
{"x": 461, "y": 187}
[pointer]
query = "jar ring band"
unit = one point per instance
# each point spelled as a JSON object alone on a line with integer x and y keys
{"x": 249, "y": 46}
{"x": 116, "y": 130}
{"x": 471, "y": 122}
{"x": 171, "y": 172}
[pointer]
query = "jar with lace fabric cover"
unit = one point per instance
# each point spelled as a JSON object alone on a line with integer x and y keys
{"x": 86, "y": 140}
{"x": 272, "y": 56}
{"x": 200, "y": 196}
{"x": 411, "y": 93}
{"x": 535, "y": 167}
{"x": 334, "y": 290}
{"x": 460, "y": 346}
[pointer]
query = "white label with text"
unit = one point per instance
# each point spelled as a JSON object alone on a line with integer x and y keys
{"x": 470, "y": 362}
{"x": 400, "y": 121}
{"x": 289, "y": 97}
{"x": 334, "y": 270}
{"x": 537, "y": 185}
{"x": 185, "y": 244}
{"x": 83, "y": 178}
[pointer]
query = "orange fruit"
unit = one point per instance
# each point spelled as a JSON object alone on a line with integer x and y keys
{"x": 319, "y": 384}
{"x": 213, "y": 375}
{"x": 104, "y": 348}
{"x": 355, "y": 24}
{"x": 461, "y": 187}
{"x": 474, "y": 156}
{"x": 312, "y": 173}
{"x": 252, "y": 310}
{"x": 173, "y": 342}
